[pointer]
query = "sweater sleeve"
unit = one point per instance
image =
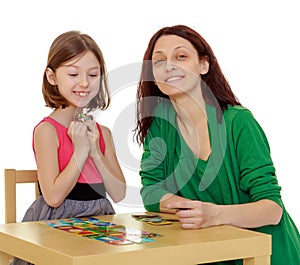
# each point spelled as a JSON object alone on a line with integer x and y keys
{"x": 154, "y": 162}
{"x": 257, "y": 171}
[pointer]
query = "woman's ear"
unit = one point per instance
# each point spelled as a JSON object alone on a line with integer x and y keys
{"x": 204, "y": 66}
{"x": 50, "y": 76}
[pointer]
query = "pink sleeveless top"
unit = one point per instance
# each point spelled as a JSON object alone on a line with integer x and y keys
{"x": 89, "y": 181}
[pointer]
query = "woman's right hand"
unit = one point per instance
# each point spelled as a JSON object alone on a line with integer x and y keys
{"x": 168, "y": 199}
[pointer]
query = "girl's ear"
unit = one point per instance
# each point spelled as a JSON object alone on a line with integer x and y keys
{"x": 50, "y": 76}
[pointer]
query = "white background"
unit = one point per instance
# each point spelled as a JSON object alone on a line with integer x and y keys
{"x": 256, "y": 42}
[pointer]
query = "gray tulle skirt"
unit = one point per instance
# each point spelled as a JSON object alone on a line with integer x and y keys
{"x": 40, "y": 210}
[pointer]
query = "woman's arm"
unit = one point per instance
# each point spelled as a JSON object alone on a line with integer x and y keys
{"x": 248, "y": 215}
{"x": 56, "y": 186}
{"x": 107, "y": 165}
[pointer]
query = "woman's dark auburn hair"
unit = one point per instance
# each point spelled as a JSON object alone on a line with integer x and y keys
{"x": 214, "y": 79}
{"x": 66, "y": 47}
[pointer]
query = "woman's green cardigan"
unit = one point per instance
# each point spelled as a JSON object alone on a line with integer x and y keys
{"x": 239, "y": 170}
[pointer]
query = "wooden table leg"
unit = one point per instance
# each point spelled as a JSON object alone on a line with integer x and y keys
{"x": 4, "y": 258}
{"x": 265, "y": 260}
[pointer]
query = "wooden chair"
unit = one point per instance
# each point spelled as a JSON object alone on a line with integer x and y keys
{"x": 12, "y": 177}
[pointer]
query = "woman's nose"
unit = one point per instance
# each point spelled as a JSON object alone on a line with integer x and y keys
{"x": 170, "y": 66}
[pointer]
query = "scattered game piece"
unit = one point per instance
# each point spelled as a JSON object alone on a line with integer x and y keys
{"x": 162, "y": 222}
{"x": 97, "y": 229}
{"x": 150, "y": 215}
{"x": 154, "y": 219}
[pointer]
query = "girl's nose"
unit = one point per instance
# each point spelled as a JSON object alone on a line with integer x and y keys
{"x": 84, "y": 82}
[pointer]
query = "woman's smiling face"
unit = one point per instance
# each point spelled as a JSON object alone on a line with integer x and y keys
{"x": 176, "y": 65}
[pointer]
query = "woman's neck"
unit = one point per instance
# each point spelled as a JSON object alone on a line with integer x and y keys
{"x": 190, "y": 109}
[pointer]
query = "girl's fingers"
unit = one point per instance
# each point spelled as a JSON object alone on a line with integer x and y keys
{"x": 91, "y": 125}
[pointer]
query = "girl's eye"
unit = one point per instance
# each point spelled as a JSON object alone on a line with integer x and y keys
{"x": 73, "y": 74}
{"x": 93, "y": 75}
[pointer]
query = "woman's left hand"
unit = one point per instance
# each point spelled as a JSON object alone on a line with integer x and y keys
{"x": 196, "y": 214}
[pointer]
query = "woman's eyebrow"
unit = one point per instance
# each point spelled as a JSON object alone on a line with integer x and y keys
{"x": 175, "y": 49}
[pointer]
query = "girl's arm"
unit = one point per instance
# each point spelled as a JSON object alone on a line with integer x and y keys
{"x": 107, "y": 165}
{"x": 56, "y": 186}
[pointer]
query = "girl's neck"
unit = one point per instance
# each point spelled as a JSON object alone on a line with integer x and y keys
{"x": 65, "y": 116}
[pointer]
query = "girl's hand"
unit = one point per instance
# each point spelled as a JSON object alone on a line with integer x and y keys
{"x": 77, "y": 131}
{"x": 195, "y": 214}
{"x": 93, "y": 136}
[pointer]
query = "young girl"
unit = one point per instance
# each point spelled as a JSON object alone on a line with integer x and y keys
{"x": 205, "y": 156}
{"x": 75, "y": 156}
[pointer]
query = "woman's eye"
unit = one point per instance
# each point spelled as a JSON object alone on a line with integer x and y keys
{"x": 181, "y": 56}
{"x": 158, "y": 61}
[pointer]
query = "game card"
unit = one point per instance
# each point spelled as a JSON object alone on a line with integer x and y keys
{"x": 94, "y": 228}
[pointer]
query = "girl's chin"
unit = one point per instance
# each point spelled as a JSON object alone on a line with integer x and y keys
{"x": 77, "y": 105}
{"x": 82, "y": 103}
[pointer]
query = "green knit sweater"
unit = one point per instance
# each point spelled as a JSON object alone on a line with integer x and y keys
{"x": 239, "y": 170}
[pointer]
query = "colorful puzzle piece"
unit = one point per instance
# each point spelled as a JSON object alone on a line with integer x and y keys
{"x": 97, "y": 229}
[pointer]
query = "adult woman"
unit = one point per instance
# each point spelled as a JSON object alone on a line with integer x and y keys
{"x": 203, "y": 151}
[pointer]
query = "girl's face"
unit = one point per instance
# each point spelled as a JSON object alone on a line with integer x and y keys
{"x": 78, "y": 80}
{"x": 176, "y": 65}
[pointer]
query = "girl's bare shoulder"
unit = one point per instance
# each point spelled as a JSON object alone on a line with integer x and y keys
{"x": 105, "y": 130}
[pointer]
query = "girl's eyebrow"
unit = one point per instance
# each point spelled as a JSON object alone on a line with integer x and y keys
{"x": 75, "y": 66}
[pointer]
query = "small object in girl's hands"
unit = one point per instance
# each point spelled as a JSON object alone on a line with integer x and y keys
{"x": 81, "y": 117}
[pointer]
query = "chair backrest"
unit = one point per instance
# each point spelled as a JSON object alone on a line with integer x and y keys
{"x": 11, "y": 178}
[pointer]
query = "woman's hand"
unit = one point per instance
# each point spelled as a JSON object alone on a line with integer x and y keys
{"x": 195, "y": 214}
{"x": 248, "y": 215}
{"x": 170, "y": 199}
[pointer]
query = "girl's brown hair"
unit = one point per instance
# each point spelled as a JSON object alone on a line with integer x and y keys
{"x": 64, "y": 48}
{"x": 213, "y": 79}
